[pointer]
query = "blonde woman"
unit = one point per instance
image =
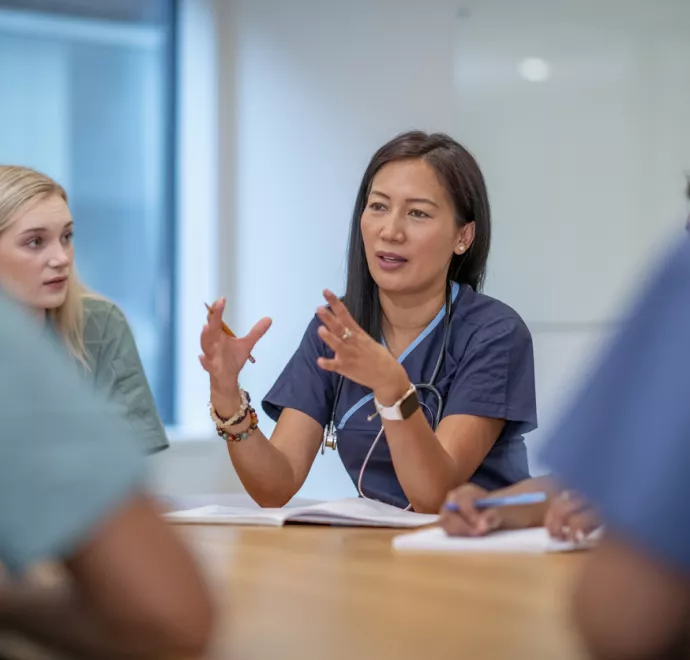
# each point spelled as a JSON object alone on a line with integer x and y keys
{"x": 37, "y": 270}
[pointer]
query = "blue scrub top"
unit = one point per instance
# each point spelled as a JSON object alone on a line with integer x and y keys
{"x": 488, "y": 371}
{"x": 625, "y": 442}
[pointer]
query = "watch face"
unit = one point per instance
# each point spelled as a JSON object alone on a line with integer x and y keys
{"x": 409, "y": 405}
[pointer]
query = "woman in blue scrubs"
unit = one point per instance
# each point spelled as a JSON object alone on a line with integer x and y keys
{"x": 412, "y": 315}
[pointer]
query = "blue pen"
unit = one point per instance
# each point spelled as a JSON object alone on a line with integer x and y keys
{"x": 509, "y": 500}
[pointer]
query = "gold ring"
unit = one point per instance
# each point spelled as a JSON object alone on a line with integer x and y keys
{"x": 347, "y": 334}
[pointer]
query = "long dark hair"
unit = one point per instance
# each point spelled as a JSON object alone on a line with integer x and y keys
{"x": 459, "y": 173}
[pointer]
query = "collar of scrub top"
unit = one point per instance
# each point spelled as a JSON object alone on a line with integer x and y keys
{"x": 455, "y": 289}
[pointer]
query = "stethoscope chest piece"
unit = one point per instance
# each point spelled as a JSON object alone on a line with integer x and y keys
{"x": 330, "y": 438}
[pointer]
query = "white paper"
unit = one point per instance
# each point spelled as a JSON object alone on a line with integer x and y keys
{"x": 235, "y": 500}
{"x": 216, "y": 514}
{"x": 534, "y": 540}
{"x": 352, "y": 511}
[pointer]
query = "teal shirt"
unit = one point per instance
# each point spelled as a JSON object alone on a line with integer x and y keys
{"x": 117, "y": 372}
{"x": 66, "y": 461}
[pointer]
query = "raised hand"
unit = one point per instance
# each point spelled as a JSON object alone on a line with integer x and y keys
{"x": 223, "y": 356}
{"x": 357, "y": 356}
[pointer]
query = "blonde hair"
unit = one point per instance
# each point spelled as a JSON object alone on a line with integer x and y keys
{"x": 19, "y": 187}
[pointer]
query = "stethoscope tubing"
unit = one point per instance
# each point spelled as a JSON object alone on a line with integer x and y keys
{"x": 330, "y": 438}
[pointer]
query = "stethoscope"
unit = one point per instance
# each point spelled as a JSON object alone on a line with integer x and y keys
{"x": 330, "y": 435}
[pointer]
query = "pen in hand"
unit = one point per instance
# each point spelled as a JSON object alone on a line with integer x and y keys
{"x": 228, "y": 332}
{"x": 509, "y": 500}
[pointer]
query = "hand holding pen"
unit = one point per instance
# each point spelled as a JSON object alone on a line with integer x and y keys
{"x": 225, "y": 328}
{"x": 473, "y": 511}
{"x": 224, "y": 355}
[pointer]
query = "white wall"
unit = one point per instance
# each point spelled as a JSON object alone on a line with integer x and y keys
{"x": 584, "y": 170}
{"x": 319, "y": 86}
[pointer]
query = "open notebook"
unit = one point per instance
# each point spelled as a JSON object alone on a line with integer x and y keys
{"x": 533, "y": 540}
{"x": 354, "y": 512}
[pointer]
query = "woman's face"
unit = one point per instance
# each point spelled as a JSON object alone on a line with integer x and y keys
{"x": 36, "y": 254}
{"x": 409, "y": 228}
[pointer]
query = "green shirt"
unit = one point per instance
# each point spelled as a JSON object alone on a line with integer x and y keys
{"x": 66, "y": 461}
{"x": 117, "y": 371}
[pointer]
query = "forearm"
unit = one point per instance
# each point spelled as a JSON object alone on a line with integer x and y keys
{"x": 264, "y": 470}
{"x": 60, "y": 619}
{"x": 427, "y": 471}
{"x": 424, "y": 469}
{"x": 132, "y": 590}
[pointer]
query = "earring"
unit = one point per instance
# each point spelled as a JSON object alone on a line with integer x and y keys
{"x": 461, "y": 248}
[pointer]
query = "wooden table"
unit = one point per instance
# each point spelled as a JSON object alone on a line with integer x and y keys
{"x": 322, "y": 593}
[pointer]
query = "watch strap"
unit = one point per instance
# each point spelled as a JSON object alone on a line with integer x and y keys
{"x": 402, "y": 409}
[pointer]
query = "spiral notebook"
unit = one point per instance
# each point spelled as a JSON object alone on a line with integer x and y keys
{"x": 357, "y": 512}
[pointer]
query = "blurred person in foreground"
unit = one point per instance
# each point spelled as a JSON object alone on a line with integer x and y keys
{"x": 72, "y": 490}
{"x": 625, "y": 445}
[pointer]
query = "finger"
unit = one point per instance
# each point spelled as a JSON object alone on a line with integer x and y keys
{"x": 205, "y": 363}
{"x": 342, "y": 313}
{"x": 582, "y": 524}
{"x": 208, "y": 366}
{"x": 464, "y": 498}
{"x": 332, "y": 341}
{"x": 574, "y": 534}
{"x": 218, "y": 307}
{"x": 215, "y": 316}
{"x": 554, "y": 521}
{"x": 209, "y": 339}
{"x": 455, "y": 525}
{"x": 488, "y": 522}
{"x": 328, "y": 365}
{"x": 258, "y": 331}
{"x": 558, "y": 515}
{"x": 330, "y": 321}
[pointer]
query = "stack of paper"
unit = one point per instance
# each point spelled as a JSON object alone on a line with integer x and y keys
{"x": 536, "y": 540}
{"x": 354, "y": 512}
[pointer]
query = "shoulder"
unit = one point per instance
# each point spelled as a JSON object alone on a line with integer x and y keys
{"x": 483, "y": 315}
{"x": 100, "y": 308}
{"x": 311, "y": 333}
{"x": 102, "y": 318}
{"x": 105, "y": 330}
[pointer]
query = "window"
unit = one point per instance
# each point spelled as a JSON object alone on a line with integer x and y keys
{"x": 88, "y": 99}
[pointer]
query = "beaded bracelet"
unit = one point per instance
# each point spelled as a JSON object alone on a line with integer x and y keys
{"x": 237, "y": 418}
{"x": 237, "y": 437}
{"x": 223, "y": 426}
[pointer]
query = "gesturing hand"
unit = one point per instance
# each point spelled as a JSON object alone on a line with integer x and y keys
{"x": 224, "y": 356}
{"x": 358, "y": 357}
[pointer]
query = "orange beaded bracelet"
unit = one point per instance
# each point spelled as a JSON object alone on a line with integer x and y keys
{"x": 237, "y": 437}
